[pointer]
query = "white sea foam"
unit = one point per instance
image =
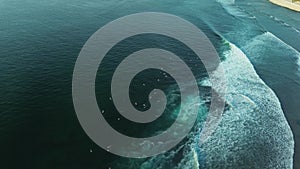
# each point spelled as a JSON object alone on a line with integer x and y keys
{"x": 284, "y": 23}
{"x": 227, "y": 2}
{"x": 298, "y": 63}
{"x": 253, "y": 133}
{"x": 205, "y": 82}
{"x": 283, "y": 52}
{"x": 254, "y": 128}
{"x": 234, "y": 10}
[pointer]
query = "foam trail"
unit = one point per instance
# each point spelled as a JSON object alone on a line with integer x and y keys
{"x": 234, "y": 10}
{"x": 254, "y": 128}
{"x": 283, "y": 23}
{"x": 285, "y": 54}
{"x": 298, "y": 64}
{"x": 227, "y": 2}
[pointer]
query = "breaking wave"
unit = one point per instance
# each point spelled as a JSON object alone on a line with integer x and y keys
{"x": 234, "y": 10}
{"x": 253, "y": 132}
{"x": 280, "y": 53}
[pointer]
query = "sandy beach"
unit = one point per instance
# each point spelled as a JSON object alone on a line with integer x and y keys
{"x": 290, "y": 5}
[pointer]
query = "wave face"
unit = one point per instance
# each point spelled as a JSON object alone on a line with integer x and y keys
{"x": 253, "y": 133}
{"x": 231, "y": 8}
{"x": 259, "y": 52}
{"x": 275, "y": 55}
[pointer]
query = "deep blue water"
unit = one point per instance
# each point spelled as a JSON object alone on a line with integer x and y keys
{"x": 40, "y": 42}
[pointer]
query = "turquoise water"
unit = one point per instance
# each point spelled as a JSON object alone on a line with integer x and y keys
{"x": 40, "y": 42}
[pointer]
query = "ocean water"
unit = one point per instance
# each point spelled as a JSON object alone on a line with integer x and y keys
{"x": 258, "y": 43}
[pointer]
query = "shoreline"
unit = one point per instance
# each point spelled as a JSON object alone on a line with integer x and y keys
{"x": 295, "y": 6}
